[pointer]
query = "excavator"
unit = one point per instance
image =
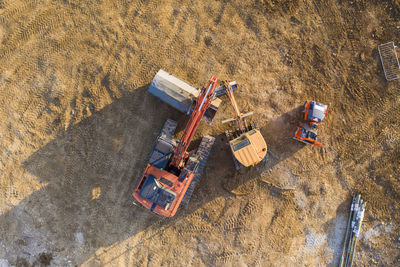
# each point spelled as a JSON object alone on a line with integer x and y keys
{"x": 171, "y": 173}
{"x": 307, "y": 132}
{"x": 247, "y": 145}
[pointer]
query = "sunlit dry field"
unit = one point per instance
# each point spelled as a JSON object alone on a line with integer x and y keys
{"x": 77, "y": 125}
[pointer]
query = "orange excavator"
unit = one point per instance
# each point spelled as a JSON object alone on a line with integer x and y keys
{"x": 172, "y": 173}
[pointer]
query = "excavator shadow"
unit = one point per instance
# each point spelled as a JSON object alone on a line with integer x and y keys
{"x": 220, "y": 177}
{"x": 88, "y": 174}
{"x": 90, "y": 170}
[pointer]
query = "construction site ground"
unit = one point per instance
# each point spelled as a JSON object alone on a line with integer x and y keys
{"x": 77, "y": 126}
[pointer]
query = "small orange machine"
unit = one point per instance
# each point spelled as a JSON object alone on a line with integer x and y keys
{"x": 307, "y": 132}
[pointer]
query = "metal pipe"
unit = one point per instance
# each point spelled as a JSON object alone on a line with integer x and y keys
{"x": 347, "y": 232}
{"x": 360, "y": 216}
{"x": 355, "y": 209}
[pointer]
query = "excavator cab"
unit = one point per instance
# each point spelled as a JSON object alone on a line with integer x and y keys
{"x": 249, "y": 148}
{"x": 154, "y": 191}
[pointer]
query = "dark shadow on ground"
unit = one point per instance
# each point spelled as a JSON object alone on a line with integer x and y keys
{"x": 92, "y": 168}
{"x": 336, "y": 231}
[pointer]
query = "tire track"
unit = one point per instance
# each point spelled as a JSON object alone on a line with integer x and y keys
{"x": 146, "y": 61}
{"x": 114, "y": 54}
{"x": 26, "y": 61}
{"x": 234, "y": 223}
{"x": 229, "y": 256}
{"x": 15, "y": 10}
{"x": 180, "y": 22}
{"x": 46, "y": 21}
{"x": 230, "y": 223}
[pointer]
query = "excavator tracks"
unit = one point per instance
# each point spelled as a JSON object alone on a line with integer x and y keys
{"x": 196, "y": 165}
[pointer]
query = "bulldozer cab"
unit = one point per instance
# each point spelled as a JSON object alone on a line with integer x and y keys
{"x": 307, "y": 134}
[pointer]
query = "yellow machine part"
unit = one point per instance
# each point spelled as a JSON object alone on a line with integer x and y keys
{"x": 249, "y": 148}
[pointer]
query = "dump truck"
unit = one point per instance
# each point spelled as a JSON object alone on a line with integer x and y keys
{"x": 172, "y": 172}
{"x": 246, "y": 142}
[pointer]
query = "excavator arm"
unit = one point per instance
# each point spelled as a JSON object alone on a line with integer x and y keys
{"x": 239, "y": 121}
{"x": 202, "y": 103}
{"x": 238, "y": 118}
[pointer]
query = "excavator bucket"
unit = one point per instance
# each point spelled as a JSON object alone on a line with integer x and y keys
{"x": 247, "y": 144}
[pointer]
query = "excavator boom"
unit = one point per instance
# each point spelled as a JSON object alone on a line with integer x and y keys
{"x": 202, "y": 103}
{"x": 229, "y": 91}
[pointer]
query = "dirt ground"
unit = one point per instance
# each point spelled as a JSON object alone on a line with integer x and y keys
{"x": 77, "y": 126}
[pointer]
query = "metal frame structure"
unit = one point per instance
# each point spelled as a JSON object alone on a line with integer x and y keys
{"x": 390, "y": 61}
{"x": 354, "y": 223}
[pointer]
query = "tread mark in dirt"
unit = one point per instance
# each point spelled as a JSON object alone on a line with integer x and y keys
{"x": 221, "y": 12}
{"x": 13, "y": 9}
{"x": 161, "y": 224}
{"x": 225, "y": 257}
{"x": 251, "y": 207}
{"x": 198, "y": 229}
{"x": 118, "y": 46}
{"x": 180, "y": 22}
{"x": 230, "y": 223}
{"x": 47, "y": 20}
{"x": 235, "y": 222}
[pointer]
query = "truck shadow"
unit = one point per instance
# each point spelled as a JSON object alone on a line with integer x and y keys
{"x": 91, "y": 169}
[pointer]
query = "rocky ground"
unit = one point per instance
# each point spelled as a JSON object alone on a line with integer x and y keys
{"x": 77, "y": 125}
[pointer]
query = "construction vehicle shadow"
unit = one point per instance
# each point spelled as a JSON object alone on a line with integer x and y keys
{"x": 335, "y": 230}
{"x": 89, "y": 172}
{"x": 220, "y": 177}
